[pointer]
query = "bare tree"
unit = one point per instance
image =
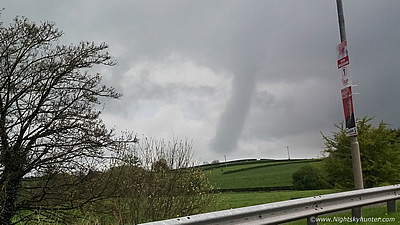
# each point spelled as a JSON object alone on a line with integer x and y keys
{"x": 163, "y": 185}
{"x": 50, "y": 130}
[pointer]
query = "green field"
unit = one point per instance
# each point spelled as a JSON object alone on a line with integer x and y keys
{"x": 255, "y": 174}
{"x": 243, "y": 183}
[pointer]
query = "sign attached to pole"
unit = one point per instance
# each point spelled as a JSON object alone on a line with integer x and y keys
{"x": 342, "y": 55}
{"x": 345, "y": 78}
{"x": 350, "y": 120}
{"x": 346, "y": 90}
{"x": 343, "y": 64}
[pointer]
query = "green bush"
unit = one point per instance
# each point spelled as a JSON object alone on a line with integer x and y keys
{"x": 309, "y": 178}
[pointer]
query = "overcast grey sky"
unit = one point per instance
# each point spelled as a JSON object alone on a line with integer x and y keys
{"x": 242, "y": 78}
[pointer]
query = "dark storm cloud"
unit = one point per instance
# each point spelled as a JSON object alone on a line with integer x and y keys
{"x": 277, "y": 59}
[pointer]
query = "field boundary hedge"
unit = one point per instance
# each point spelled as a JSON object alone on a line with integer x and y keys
{"x": 287, "y": 162}
{"x": 255, "y": 189}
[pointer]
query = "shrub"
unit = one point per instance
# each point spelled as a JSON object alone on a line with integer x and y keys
{"x": 309, "y": 178}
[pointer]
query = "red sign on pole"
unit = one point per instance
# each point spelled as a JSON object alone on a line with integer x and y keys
{"x": 342, "y": 55}
{"x": 350, "y": 120}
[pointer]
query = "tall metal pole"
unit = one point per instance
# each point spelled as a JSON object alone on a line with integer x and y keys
{"x": 355, "y": 148}
{"x": 342, "y": 28}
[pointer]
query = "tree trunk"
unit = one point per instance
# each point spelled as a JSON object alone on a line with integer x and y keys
{"x": 11, "y": 179}
{"x": 9, "y": 195}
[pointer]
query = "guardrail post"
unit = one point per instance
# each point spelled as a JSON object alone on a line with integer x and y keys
{"x": 312, "y": 220}
{"x": 391, "y": 206}
{"x": 356, "y": 212}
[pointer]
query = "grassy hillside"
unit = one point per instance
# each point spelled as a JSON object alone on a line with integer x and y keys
{"x": 253, "y": 175}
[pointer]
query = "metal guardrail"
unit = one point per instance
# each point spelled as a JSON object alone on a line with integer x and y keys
{"x": 286, "y": 211}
